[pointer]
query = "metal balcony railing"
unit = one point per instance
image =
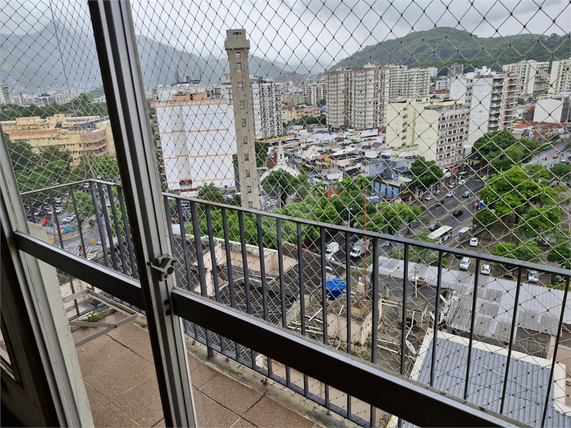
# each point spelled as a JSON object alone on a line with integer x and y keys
{"x": 497, "y": 342}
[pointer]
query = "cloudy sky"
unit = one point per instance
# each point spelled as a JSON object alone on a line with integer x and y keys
{"x": 302, "y": 31}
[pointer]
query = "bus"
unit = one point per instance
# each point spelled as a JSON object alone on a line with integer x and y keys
{"x": 441, "y": 234}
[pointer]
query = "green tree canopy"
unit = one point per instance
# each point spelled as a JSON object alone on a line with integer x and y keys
{"x": 425, "y": 173}
{"x": 562, "y": 171}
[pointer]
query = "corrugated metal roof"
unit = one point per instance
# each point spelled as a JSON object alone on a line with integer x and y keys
{"x": 526, "y": 384}
{"x": 539, "y": 308}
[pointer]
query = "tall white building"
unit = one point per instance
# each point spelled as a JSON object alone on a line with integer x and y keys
{"x": 533, "y": 76}
{"x": 315, "y": 92}
{"x": 357, "y": 98}
{"x": 553, "y": 108}
{"x": 408, "y": 83}
{"x": 5, "y": 94}
{"x": 436, "y": 130}
{"x": 266, "y": 105}
{"x": 491, "y": 99}
{"x": 266, "y": 108}
{"x": 197, "y": 139}
{"x": 560, "y": 78}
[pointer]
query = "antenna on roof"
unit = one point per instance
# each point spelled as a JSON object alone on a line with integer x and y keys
{"x": 176, "y": 77}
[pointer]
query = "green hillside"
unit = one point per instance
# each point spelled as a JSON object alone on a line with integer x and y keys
{"x": 444, "y": 46}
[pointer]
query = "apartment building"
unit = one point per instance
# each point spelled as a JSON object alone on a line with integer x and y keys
{"x": 78, "y": 135}
{"x": 315, "y": 92}
{"x": 436, "y": 130}
{"x": 492, "y": 101}
{"x": 533, "y": 76}
{"x": 290, "y": 113}
{"x": 266, "y": 108}
{"x": 294, "y": 99}
{"x": 553, "y": 108}
{"x": 266, "y": 105}
{"x": 358, "y": 98}
{"x": 197, "y": 138}
{"x": 560, "y": 78}
{"x": 5, "y": 94}
{"x": 408, "y": 83}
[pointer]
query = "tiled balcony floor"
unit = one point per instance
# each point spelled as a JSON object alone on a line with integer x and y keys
{"x": 121, "y": 385}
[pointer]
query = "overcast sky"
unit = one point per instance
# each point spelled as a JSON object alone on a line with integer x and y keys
{"x": 305, "y": 31}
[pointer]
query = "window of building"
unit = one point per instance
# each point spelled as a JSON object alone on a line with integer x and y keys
{"x": 242, "y": 105}
{"x": 245, "y": 140}
{"x": 249, "y": 189}
{"x": 240, "y": 86}
{"x": 238, "y": 54}
{"x": 247, "y": 173}
{"x": 250, "y": 204}
{"x": 239, "y": 67}
{"x": 243, "y": 121}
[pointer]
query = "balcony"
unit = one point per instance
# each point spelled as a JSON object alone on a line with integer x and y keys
{"x": 385, "y": 314}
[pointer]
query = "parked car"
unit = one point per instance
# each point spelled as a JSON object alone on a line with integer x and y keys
{"x": 457, "y": 213}
{"x": 449, "y": 194}
{"x": 486, "y": 269}
{"x": 509, "y": 271}
{"x": 555, "y": 156}
{"x": 466, "y": 194}
{"x": 532, "y": 276}
{"x": 451, "y": 186}
{"x": 439, "y": 203}
{"x": 465, "y": 263}
{"x": 428, "y": 197}
{"x": 474, "y": 242}
{"x": 433, "y": 227}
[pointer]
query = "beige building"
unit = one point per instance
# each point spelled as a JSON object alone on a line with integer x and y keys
{"x": 290, "y": 113}
{"x": 560, "y": 78}
{"x": 237, "y": 47}
{"x": 291, "y": 99}
{"x": 533, "y": 76}
{"x": 436, "y": 130}
{"x": 79, "y": 135}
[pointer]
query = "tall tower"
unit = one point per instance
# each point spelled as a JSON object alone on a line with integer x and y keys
{"x": 237, "y": 47}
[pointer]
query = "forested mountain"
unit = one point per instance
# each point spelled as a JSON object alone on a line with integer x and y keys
{"x": 36, "y": 62}
{"x": 444, "y": 46}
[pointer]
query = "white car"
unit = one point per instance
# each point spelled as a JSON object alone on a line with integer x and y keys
{"x": 429, "y": 198}
{"x": 450, "y": 195}
{"x": 486, "y": 269}
{"x": 532, "y": 276}
{"x": 465, "y": 263}
{"x": 474, "y": 242}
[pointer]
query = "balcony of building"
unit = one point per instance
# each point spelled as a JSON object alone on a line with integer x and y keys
{"x": 390, "y": 314}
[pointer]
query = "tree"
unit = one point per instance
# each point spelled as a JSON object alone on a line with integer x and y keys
{"x": 54, "y": 153}
{"x": 321, "y": 103}
{"x": 485, "y": 218}
{"x": 540, "y": 220}
{"x": 560, "y": 254}
{"x": 528, "y": 251}
{"x": 85, "y": 205}
{"x": 280, "y": 183}
{"x": 562, "y": 171}
{"x": 261, "y": 150}
{"x": 21, "y": 155}
{"x": 425, "y": 173}
{"x": 209, "y": 192}
{"x": 501, "y": 150}
{"x": 504, "y": 249}
{"x": 390, "y": 217}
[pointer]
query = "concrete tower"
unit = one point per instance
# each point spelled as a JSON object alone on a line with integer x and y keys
{"x": 237, "y": 47}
